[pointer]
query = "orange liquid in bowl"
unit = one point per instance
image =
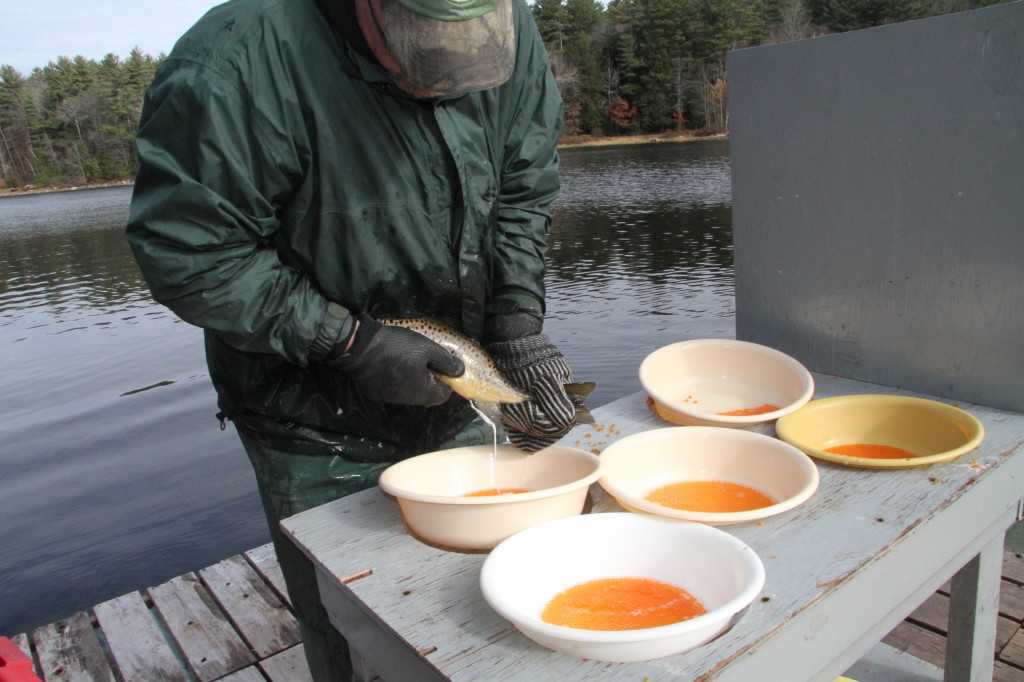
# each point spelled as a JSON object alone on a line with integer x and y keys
{"x": 751, "y": 411}
{"x": 621, "y": 604}
{"x": 710, "y": 496}
{"x": 490, "y": 492}
{"x": 871, "y": 451}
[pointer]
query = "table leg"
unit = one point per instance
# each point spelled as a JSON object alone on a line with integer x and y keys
{"x": 361, "y": 670}
{"x": 973, "y": 611}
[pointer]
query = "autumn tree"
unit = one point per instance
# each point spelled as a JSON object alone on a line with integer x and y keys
{"x": 621, "y": 114}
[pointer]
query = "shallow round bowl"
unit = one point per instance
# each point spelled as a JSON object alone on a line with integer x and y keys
{"x": 521, "y": 576}
{"x": 932, "y": 431}
{"x": 636, "y": 465}
{"x": 694, "y": 382}
{"x": 431, "y": 491}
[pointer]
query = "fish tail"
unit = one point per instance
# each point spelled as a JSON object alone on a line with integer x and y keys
{"x": 578, "y": 393}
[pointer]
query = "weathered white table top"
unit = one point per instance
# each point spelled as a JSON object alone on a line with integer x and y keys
{"x": 842, "y": 570}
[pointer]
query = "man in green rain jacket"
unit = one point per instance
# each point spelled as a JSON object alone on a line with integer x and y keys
{"x": 308, "y": 166}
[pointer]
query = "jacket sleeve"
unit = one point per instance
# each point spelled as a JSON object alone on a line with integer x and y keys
{"x": 529, "y": 177}
{"x": 204, "y": 216}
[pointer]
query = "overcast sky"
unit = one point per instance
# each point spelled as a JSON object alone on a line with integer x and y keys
{"x": 34, "y": 33}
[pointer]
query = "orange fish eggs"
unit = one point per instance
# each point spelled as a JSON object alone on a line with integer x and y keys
{"x": 871, "y": 451}
{"x": 621, "y": 604}
{"x": 751, "y": 411}
{"x": 489, "y": 492}
{"x": 710, "y": 496}
{"x": 595, "y": 446}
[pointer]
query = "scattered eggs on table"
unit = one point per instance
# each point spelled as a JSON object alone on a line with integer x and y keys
{"x": 596, "y": 437}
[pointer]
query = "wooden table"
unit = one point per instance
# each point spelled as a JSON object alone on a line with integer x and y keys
{"x": 842, "y": 570}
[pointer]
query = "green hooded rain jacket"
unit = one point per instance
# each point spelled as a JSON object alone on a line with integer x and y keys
{"x": 284, "y": 181}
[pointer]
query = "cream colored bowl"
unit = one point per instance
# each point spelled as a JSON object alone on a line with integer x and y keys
{"x": 693, "y": 382}
{"x": 636, "y": 465}
{"x": 431, "y": 491}
{"x": 931, "y": 430}
{"x": 521, "y": 576}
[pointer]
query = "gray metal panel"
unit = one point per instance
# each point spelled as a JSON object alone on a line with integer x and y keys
{"x": 878, "y": 203}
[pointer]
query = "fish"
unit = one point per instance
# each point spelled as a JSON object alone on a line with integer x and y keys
{"x": 483, "y": 384}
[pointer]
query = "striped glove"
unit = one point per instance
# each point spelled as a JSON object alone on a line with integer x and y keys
{"x": 535, "y": 365}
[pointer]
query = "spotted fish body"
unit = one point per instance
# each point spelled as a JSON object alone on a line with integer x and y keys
{"x": 482, "y": 382}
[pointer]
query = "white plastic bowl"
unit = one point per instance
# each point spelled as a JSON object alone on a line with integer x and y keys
{"x": 431, "y": 491}
{"x": 636, "y": 465}
{"x": 692, "y": 382}
{"x": 522, "y": 574}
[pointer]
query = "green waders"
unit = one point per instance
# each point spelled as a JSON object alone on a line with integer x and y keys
{"x": 290, "y": 483}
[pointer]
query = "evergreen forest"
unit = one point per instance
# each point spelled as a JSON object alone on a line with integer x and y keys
{"x": 624, "y": 67}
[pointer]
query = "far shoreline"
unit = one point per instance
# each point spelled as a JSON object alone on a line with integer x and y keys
{"x": 574, "y": 142}
{"x": 607, "y": 141}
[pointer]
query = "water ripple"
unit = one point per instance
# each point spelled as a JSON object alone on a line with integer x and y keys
{"x": 109, "y": 429}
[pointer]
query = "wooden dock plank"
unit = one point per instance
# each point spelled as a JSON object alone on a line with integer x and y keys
{"x": 933, "y": 613}
{"x": 22, "y": 641}
{"x": 1006, "y": 673}
{"x": 250, "y": 674}
{"x": 139, "y": 649}
{"x": 1011, "y": 600}
{"x": 70, "y": 651}
{"x": 256, "y": 611}
{"x": 199, "y": 628}
{"x": 919, "y": 642}
{"x": 1013, "y": 567}
{"x": 264, "y": 560}
{"x": 76, "y": 643}
{"x": 287, "y": 666}
{"x": 1013, "y": 652}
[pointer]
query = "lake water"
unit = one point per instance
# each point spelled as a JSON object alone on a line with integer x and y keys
{"x": 114, "y": 473}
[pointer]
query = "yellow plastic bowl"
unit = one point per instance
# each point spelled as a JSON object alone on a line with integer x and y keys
{"x": 431, "y": 491}
{"x": 691, "y": 383}
{"x": 931, "y": 430}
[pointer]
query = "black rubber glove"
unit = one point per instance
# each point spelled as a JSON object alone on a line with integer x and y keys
{"x": 394, "y": 364}
{"x": 530, "y": 361}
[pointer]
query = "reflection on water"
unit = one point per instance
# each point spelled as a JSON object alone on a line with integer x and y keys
{"x": 641, "y": 256}
{"x": 106, "y": 487}
{"x": 116, "y": 476}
